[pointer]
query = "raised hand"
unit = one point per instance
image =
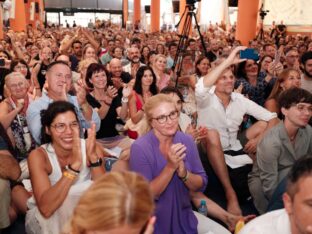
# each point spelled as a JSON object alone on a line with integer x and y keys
{"x": 64, "y": 93}
{"x": 126, "y": 91}
{"x": 175, "y": 155}
{"x": 150, "y": 225}
{"x": 239, "y": 88}
{"x": 20, "y": 105}
{"x": 112, "y": 92}
{"x": 234, "y": 56}
{"x": 91, "y": 144}
{"x": 76, "y": 151}
{"x": 80, "y": 93}
{"x": 36, "y": 68}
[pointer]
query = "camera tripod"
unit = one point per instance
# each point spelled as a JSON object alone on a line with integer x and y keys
{"x": 261, "y": 32}
{"x": 183, "y": 42}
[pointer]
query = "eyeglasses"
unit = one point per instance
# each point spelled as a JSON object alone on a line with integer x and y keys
{"x": 302, "y": 108}
{"x": 164, "y": 118}
{"x": 61, "y": 127}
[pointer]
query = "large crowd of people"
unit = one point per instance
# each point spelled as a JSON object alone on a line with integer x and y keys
{"x": 80, "y": 108}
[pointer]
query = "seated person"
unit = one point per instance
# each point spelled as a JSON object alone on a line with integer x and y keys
{"x": 61, "y": 169}
{"x": 169, "y": 160}
{"x": 222, "y": 109}
{"x": 13, "y": 114}
{"x": 105, "y": 100}
{"x": 126, "y": 206}
{"x": 9, "y": 170}
{"x": 296, "y": 217}
{"x": 118, "y": 76}
{"x": 281, "y": 146}
{"x": 58, "y": 80}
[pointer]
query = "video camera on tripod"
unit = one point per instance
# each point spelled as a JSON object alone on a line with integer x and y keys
{"x": 263, "y": 12}
{"x": 191, "y": 2}
{"x": 188, "y": 15}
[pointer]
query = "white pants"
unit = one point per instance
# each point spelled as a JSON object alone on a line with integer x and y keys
{"x": 208, "y": 226}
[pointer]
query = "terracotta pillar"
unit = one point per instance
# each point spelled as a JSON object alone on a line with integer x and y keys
{"x": 155, "y": 15}
{"x": 18, "y": 23}
{"x": 39, "y": 15}
{"x": 246, "y": 28}
{"x": 1, "y": 23}
{"x": 41, "y": 12}
{"x": 136, "y": 11}
{"x": 32, "y": 13}
{"x": 181, "y": 11}
{"x": 182, "y": 8}
{"x": 27, "y": 12}
{"x": 125, "y": 8}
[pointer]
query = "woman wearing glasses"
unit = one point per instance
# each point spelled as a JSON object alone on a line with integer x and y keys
{"x": 169, "y": 160}
{"x": 61, "y": 169}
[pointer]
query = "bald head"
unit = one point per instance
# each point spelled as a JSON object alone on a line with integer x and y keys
{"x": 115, "y": 62}
{"x": 115, "y": 67}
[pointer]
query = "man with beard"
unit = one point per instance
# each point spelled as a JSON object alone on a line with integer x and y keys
{"x": 213, "y": 53}
{"x": 306, "y": 77}
{"x": 75, "y": 57}
{"x": 118, "y": 77}
{"x": 134, "y": 56}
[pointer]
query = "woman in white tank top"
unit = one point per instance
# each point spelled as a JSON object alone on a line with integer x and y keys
{"x": 61, "y": 169}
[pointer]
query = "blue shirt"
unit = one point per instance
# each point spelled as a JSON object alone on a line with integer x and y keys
{"x": 34, "y": 119}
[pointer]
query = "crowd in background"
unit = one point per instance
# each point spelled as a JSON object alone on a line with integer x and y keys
{"x": 77, "y": 103}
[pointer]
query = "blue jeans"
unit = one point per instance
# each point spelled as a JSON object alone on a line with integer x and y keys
{"x": 276, "y": 201}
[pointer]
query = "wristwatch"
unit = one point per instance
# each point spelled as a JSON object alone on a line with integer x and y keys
{"x": 124, "y": 99}
{"x": 97, "y": 163}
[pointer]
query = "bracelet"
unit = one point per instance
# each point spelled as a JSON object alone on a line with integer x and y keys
{"x": 185, "y": 178}
{"x": 70, "y": 169}
{"x": 124, "y": 100}
{"x": 96, "y": 164}
{"x": 69, "y": 175}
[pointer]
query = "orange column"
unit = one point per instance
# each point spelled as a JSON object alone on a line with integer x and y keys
{"x": 125, "y": 8}
{"x": 181, "y": 11}
{"x": 1, "y": 23}
{"x": 247, "y": 20}
{"x": 136, "y": 11}
{"x": 155, "y": 15}
{"x": 19, "y": 22}
{"x": 39, "y": 15}
{"x": 41, "y": 12}
{"x": 27, "y": 12}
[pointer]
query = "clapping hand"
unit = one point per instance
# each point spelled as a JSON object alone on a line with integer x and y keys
{"x": 80, "y": 93}
{"x": 176, "y": 155}
{"x": 126, "y": 91}
{"x": 76, "y": 151}
{"x": 91, "y": 144}
{"x": 112, "y": 92}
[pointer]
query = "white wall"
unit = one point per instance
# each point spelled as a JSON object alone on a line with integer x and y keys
{"x": 292, "y": 12}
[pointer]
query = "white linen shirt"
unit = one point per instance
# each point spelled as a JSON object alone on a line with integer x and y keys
{"x": 213, "y": 115}
{"x": 274, "y": 222}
